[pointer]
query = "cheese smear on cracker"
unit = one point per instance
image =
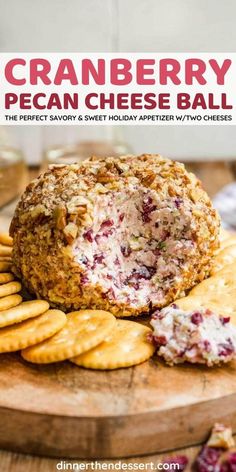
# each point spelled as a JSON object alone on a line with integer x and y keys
{"x": 198, "y": 336}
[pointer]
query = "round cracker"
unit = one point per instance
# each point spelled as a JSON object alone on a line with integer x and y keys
{"x": 29, "y": 332}
{"x": 6, "y": 239}
{"x": 9, "y": 288}
{"x": 84, "y": 330}
{"x": 224, "y": 234}
{"x": 227, "y": 242}
{"x": 23, "y": 312}
{"x": 6, "y": 277}
{"x": 6, "y": 259}
{"x": 223, "y": 258}
{"x": 126, "y": 345}
{"x": 10, "y": 301}
{"x": 219, "y": 291}
{"x": 194, "y": 302}
{"x": 5, "y": 250}
{"x": 5, "y": 266}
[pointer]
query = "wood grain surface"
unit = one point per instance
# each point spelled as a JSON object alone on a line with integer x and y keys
{"x": 66, "y": 411}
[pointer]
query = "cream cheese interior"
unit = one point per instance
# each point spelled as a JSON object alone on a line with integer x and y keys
{"x": 136, "y": 246}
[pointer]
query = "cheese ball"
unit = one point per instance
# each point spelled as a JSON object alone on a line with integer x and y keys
{"x": 127, "y": 234}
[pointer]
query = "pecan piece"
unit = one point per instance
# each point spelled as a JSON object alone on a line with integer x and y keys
{"x": 105, "y": 178}
{"x": 70, "y": 232}
{"x": 171, "y": 191}
{"x": 149, "y": 178}
{"x": 60, "y": 217}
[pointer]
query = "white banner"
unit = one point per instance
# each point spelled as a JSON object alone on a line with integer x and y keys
{"x": 119, "y": 88}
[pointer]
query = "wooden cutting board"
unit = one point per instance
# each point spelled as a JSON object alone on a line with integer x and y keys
{"x": 63, "y": 410}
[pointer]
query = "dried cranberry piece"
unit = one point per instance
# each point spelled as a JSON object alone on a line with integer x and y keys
{"x": 206, "y": 345}
{"x": 197, "y": 318}
{"x": 111, "y": 293}
{"x": 84, "y": 279}
{"x": 182, "y": 352}
{"x": 107, "y": 224}
{"x": 224, "y": 319}
{"x": 133, "y": 283}
{"x": 160, "y": 340}
{"x": 226, "y": 349}
{"x": 146, "y": 218}
{"x": 116, "y": 261}
{"x": 148, "y": 200}
{"x": 108, "y": 232}
{"x": 147, "y": 208}
{"x": 121, "y": 217}
{"x": 164, "y": 235}
{"x": 88, "y": 235}
{"x": 225, "y": 467}
{"x": 132, "y": 278}
{"x": 98, "y": 238}
{"x": 173, "y": 305}
{"x": 140, "y": 274}
{"x": 208, "y": 459}
{"x": 126, "y": 250}
{"x": 136, "y": 285}
{"x": 181, "y": 461}
{"x": 157, "y": 315}
{"x": 99, "y": 258}
{"x": 231, "y": 462}
{"x": 178, "y": 202}
{"x": 232, "y": 457}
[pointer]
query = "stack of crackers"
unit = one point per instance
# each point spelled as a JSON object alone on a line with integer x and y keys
{"x": 90, "y": 338}
{"x": 218, "y": 292}
{"x": 95, "y": 338}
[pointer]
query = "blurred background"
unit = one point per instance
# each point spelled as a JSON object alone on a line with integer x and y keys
{"x": 126, "y": 26}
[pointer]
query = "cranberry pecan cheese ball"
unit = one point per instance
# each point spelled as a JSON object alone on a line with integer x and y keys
{"x": 122, "y": 234}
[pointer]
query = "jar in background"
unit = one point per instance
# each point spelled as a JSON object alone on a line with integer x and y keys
{"x": 68, "y": 145}
{"x": 13, "y": 175}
